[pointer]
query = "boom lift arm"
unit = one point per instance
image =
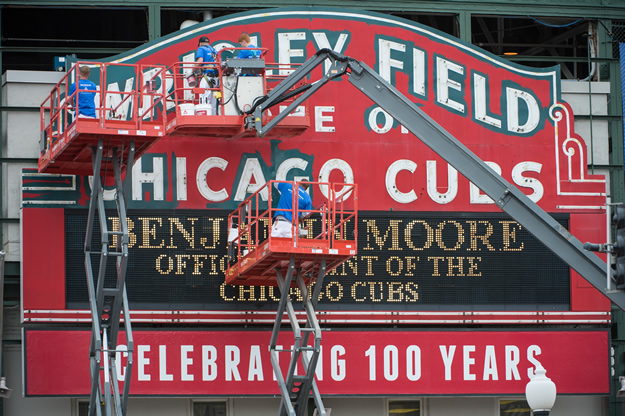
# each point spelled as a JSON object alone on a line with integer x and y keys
{"x": 511, "y": 200}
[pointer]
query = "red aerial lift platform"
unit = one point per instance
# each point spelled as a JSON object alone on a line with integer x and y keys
{"x": 331, "y": 235}
{"x": 126, "y": 124}
{"x": 255, "y": 257}
{"x": 122, "y": 117}
{"x": 241, "y": 82}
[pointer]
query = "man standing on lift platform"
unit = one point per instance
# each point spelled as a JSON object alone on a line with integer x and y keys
{"x": 248, "y": 52}
{"x": 86, "y": 94}
{"x": 209, "y": 78}
{"x": 283, "y": 218}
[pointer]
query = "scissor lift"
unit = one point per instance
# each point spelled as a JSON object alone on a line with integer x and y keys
{"x": 127, "y": 123}
{"x": 241, "y": 83}
{"x": 327, "y": 239}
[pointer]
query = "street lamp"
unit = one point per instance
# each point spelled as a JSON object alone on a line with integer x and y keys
{"x": 540, "y": 393}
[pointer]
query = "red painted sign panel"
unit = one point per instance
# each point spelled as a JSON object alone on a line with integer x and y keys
{"x": 237, "y": 363}
{"x": 511, "y": 116}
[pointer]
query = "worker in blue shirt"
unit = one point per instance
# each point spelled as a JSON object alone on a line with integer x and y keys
{"x": 246, "y": 42}
{"x": 283, "y": 217}
{"x": 209, "y": 78}
{"x": 86, "y": 99}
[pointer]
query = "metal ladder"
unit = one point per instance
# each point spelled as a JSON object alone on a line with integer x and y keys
{"x": 296, "y": 389}
{"x": 107, "y": 303}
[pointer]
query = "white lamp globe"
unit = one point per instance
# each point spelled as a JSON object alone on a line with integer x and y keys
{"x": 540, "y": 392}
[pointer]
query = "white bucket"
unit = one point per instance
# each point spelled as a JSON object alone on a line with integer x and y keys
{"x": 192, "y": 80}
{"x": 187, "y": 109}
{"x": 203, "y": 110}
{"x": 150, "y": 86}
{"x": 233, "y": 233}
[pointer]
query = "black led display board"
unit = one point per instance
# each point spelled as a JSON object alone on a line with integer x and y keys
{"x": 405, "y": 261}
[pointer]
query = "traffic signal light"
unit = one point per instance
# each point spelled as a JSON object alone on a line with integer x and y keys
{"x": 618, "y": 248}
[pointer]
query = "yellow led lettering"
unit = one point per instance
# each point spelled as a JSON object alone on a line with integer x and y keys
{"x": 354, "y": 288}
{"x": 311, "y": 290}
{"x": 198, "y": 263}
{"x": 509, "y": 236}
{"x": 339, "y": 234}
{"x": 342, "y": 270}
{"x": 168, "y": 267}
{"x": 132, "y": 238}
{"x": 429, "y": 232}
{"x": 395, "y": 293}
{"x": 451, "y": 248}
{"x": 295, "y": 292}
{"x": 272, "y": 294}
{"x": 214, "y": 264}
{"x": 475, "y": 237}
{"x": 435, "y": 261}
{"x": 262, "y": 296}
{"x": 369, "y": 260}
{"x": 375, "y": 288}
{"x": 411, "y": 264}
{"x": 223, "y": 264}
{"x": 222, "y": 292}
{"x": 266, "y": 226}
{"x": 148, "y": 231}
{"x": 249, "y": 290}
{"x": 182, "y": 264}
{"x": 351, "y": 263}
{"x": 174, "y": 224}
{"x": 334, "y": 291}
{"x": 389, "y": 266}
{"x": 215, "y": 234}
{"x": 411, "y": 292}
{"x": 308, "y": 224}
{"x": 459, "y": 237}
{"x": 455, "y": 263}
{"x": 473, "y": 266}
{"x": 115, "y": 228}
{"x": 373, "y": 233}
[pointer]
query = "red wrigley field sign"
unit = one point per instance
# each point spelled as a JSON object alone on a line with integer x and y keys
{"x": 511, "y": 116}
{"x": 351, "y": 363}
{"x": 445, "y": 246}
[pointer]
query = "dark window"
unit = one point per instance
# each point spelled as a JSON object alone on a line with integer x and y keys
{"x": 514, "y": 408}
{"x": 404, "y": 408}
{"x": 209, "y": 408}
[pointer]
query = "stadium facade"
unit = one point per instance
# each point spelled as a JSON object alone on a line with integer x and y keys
{"x": 449, "y": 306}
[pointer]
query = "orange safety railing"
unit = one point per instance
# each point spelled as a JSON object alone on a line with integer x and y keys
{"x": 186, "y": 77}
{"x": 331, "y": 225}
{"x": 126, "y": 96}
{"x": 186, "y": 81}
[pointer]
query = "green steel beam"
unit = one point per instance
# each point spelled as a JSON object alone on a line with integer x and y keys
{"x": 18, "y": 108}
{"x": 608, "y": 167}
{"x": 617, "y": 192}
{"x": 598, "y": 117}
{"x": 64, "y": 50}
{"x": 464, "y": 23}
{"x": 617, "y": 178}
{"x": 154, "y": 21}
{"x": 609, "y": 9}
{"x": 550, "y": 58}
